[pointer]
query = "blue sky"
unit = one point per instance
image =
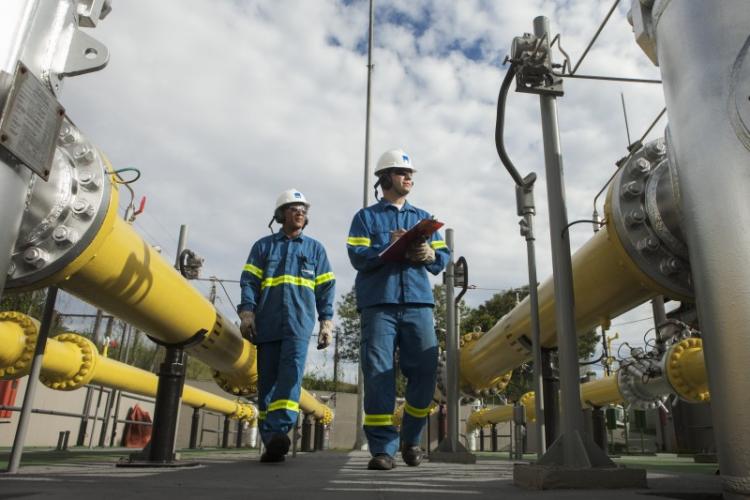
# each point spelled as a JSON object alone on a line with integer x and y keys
{"x": 223, "y": 105}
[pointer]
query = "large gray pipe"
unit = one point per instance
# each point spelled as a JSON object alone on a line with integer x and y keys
{"x": 702, "y": 49}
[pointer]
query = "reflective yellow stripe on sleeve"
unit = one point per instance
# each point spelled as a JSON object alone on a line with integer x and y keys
{"x": 284, "y": 404}
{"x": 416, "y": 412}
{"x": 379, "y": 420}
{"x": 254, "y": 270}
{"x": 358, "y": 241}
{"x": 287, "y": 279}
{"x": 262, "y": 414}
{"x": 438, "y": 244}
{"x": 324, "y": 278}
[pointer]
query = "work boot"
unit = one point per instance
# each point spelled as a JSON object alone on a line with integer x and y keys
{"x": 381, "y": 462}
{"x": 412, "y": 455}
{"x": 278, "y": 445}
{"x": 270, "y": 458}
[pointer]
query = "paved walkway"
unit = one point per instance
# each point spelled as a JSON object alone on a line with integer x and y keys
{"x": 329, "y": 475}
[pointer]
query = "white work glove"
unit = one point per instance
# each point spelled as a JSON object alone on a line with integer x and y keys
{"x": 325, "y": 333}
{"x": 247, "y": 325}
{"x": 421, "y": 253}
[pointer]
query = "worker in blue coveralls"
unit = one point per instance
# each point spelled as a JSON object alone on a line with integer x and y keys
{"x": 287, "y": 279}
{"x": 396, "y": 302}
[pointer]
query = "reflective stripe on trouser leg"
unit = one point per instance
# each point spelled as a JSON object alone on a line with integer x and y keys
{"x": 280, "y": 367}
{"x": 376, "y": 351}
{"x": 418, "y": 358}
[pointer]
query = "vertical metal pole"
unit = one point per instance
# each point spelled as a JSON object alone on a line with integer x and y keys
{"x": 31, "y": 385}
{"x": 194, "y": 423}
{"x": 527, "y": 209}
{"x": 452, "y": 349}
{"x": 238, "y": 440}
{"x": 225, "y": 433}
{"x": 660, "y": 316}
{"x": 181, "y": 243}
{"x": 360, "y": 440}
{"x": 574, "y": 451}
{"x": 169, "y": 389}
{"x": 115, "y": 414}
{"x": 105, "y": 419}
{"x": 81, "y": 439}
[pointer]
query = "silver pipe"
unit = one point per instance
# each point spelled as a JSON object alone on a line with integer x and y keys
{"x": 709, "y": 139}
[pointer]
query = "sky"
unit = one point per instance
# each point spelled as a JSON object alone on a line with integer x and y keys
{"x": 222, "y": 105}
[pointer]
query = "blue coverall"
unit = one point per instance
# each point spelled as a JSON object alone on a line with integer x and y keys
{"x": 396, "y": 302}
{"x": 284, "y": 282}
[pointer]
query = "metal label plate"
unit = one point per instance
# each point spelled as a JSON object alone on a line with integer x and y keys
{"x": 30, "y": 122}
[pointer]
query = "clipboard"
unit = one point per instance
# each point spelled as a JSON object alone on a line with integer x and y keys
{"x": 396, "y": 251}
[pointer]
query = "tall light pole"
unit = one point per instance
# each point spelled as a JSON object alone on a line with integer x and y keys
{"x": 360, "y": 440}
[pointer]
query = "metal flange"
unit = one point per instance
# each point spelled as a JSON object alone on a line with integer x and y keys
{"x": 686, "y": 387}
{"x": 22, "y": 364}
{"x": 644, "y": 210}
{"x": 64, "y": 214}
{"x": 86, "y": 369}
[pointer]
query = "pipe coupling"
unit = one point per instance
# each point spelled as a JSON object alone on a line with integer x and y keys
{"x": 21, "y": 365}
{"x": 528, "y": 401}
{"x": 234, "y": 383}
{"x": 86, "y": 370}
{"x": 683, "y": 359}
{"x": 643, "y": 209}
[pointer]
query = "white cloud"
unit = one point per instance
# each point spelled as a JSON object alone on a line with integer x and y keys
{"x": 222, "y": 105}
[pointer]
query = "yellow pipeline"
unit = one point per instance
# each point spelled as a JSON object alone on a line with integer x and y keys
{"x": 686, "y": 374}
{"x": 121, "y": 273}
{"x": 606, "y": 283}
{"x": 71, "y": 361}
{"x": 598, "y": 392}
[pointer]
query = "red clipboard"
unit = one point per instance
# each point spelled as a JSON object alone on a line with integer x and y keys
{"x": 396, "y": 251}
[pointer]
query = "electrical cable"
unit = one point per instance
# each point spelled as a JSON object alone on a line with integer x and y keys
{"x": 579, "y": 221}
{"x": 500, "y": 125}
{"x": 231, "y": 302}
{"x": 127, "y": 169}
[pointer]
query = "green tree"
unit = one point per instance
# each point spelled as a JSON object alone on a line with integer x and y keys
{"x": 29, "y": 303}
{"x": 347, "y": 330}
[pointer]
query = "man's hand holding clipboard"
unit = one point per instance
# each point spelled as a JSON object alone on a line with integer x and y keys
{"x": 397, "y": 251}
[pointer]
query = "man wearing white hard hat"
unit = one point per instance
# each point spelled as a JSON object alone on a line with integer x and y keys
{"x": 396, "y": 302}
{"x": 286, "y": 280}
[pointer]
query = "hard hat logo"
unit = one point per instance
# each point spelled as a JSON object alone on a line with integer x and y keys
{"x": 291, "y": 196}
{"x": 394, "y": 158}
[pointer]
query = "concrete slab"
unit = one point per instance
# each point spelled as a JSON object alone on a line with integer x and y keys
{"x": 331, "y": 475}
{"x": 554, "y": 477}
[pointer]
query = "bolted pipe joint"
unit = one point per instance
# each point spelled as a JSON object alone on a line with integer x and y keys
{"x": 643, "y": 210}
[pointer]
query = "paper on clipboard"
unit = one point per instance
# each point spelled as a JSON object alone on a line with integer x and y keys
{"x": 396, "y": 251}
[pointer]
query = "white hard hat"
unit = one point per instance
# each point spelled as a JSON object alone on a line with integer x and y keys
{"x": 291, "y": 196}
{"x": 395, "y": 158}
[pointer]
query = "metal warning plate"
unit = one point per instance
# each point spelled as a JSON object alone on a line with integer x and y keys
{"x": 30, "y": 122}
